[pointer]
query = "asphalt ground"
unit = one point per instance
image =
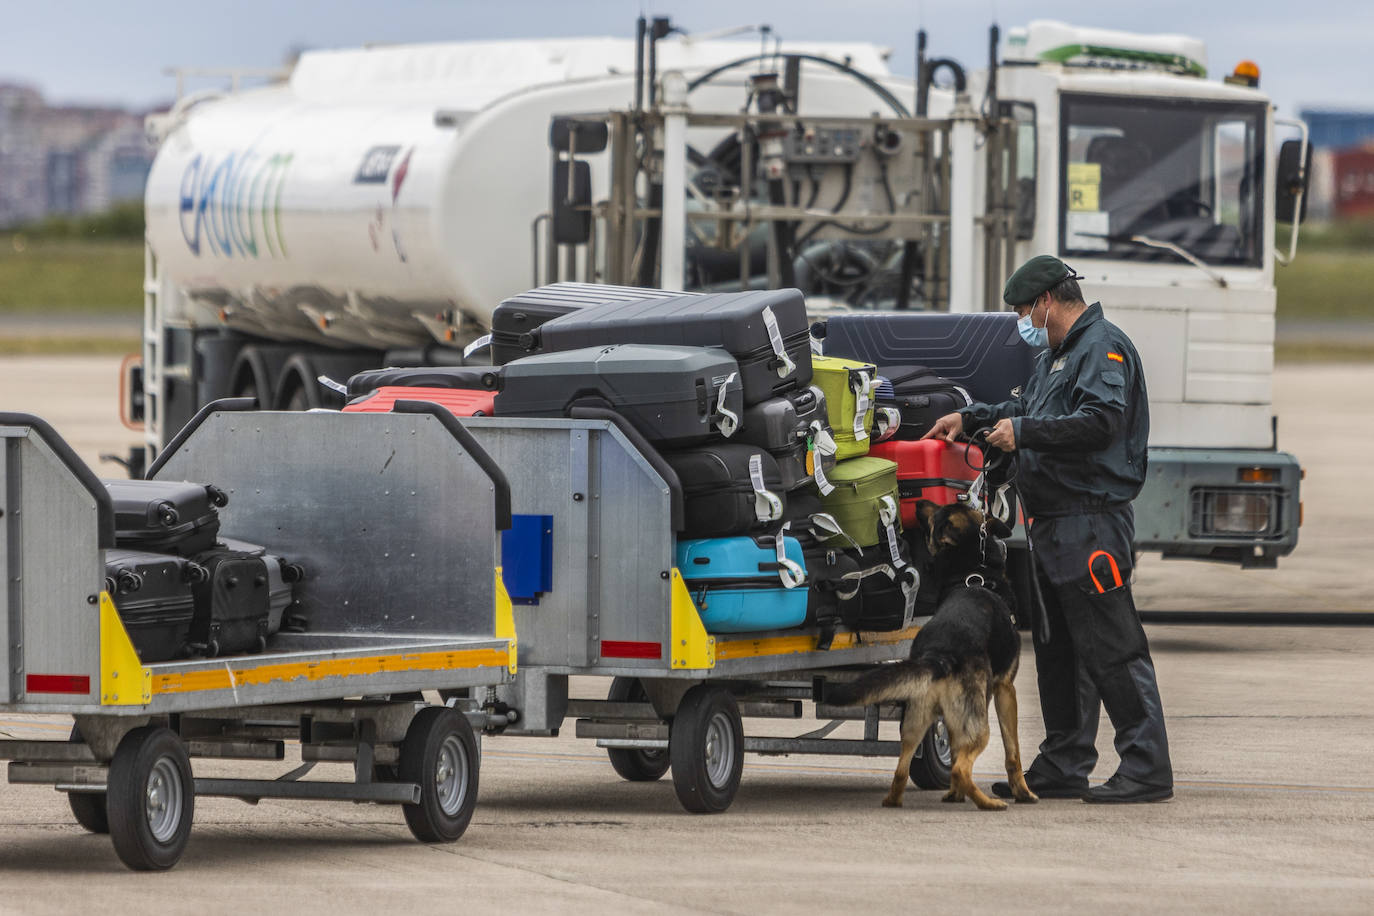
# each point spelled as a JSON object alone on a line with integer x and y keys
{"x": 1270, "y": 730}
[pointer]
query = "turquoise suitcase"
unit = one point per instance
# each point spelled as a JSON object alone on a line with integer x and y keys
{"x": 739, "y": 584}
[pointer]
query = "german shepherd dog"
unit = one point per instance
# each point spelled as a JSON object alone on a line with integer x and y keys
{"x": 964, "y": 657}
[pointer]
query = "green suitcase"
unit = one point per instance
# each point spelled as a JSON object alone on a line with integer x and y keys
{"x": 850, "y": 387}
{"x": 864, "y": 500}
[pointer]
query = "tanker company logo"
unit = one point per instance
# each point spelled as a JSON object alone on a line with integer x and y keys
{"x": 232, "y": 205}
{"x": 376, "y": 165}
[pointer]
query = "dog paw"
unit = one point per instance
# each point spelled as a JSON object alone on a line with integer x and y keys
{"x": 890, "y": 802}
{"x": 954, "y": 798}
{"x": 1027, "y": 798}
{"x": 992, "y": 804}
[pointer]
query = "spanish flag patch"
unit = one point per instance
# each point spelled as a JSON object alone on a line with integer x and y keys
{"x": 1116, "y": 356}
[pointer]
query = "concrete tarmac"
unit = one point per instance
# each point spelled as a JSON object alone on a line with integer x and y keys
{"x": 1271, "y": 734}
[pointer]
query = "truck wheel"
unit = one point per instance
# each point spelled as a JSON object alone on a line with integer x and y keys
{"x": 440, "y": 755}
{"x": 706, "y": 748}
{"x": 932, "y": 762}
{"x": 635, "y": 764}
{"x": 150, "y": 799}
{"x": 88, "y": 807}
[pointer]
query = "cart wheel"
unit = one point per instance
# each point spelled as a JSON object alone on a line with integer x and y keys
{"x": 150, "y": 798}
{"x": 932, "y": 762}
{"x": 634, "y": 764}
{"x": 706, "y": 747}
{"x": 88, "y": 807}
{"x": 440, "y": 755}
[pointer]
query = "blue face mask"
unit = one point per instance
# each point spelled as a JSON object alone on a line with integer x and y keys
{"x": 1036, "y": 337}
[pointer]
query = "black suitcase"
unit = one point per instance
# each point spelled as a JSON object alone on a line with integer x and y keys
{"x": 833, "y": 583}
{"x": 729, "y": 489}
{"x": 241, "y": 601}
{"x": 486, "y": 378}
{"x": 675, "y": 396}
{"x": 920, "y": 396}
{"x": 154, "y": 594}
{"x": 282, "y": 576}
{"x": 883, "y": 604}
{"x": 165, "y": 516}
{"x": 514, "y": 321}
{"x": 980, "y": 351}
{"x": 765, "y": 330}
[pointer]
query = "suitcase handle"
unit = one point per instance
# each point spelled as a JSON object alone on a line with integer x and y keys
{"x": 104, "y": 505}
{"x": 201, "y": 416}
{"x": 651, "y": 455}
{"x": 484, "y": 460}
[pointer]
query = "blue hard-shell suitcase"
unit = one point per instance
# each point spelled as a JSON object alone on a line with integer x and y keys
{"x": 737, "y": 583}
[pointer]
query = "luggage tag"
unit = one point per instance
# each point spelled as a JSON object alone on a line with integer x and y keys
{"x": 889, "y": 419}
{"x": 862, "y": 391}
{"x": 1001, "y": 508}
{"x": 767, "y": 506}
{"x": 975, "y": 489}
{"x": 332, "y": 385}
{"x": 824, "y": 447}
{"x": 770, "y": 322}
{"x": 791, "y": 573}
{"x": 887, "y": 514}
{"x": 480, "y": 343}
{"x": 729, "y": 420}
{"x": 825, "y": 523}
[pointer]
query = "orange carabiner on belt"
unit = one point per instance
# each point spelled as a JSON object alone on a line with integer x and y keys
{"x": 1116, "y": 572}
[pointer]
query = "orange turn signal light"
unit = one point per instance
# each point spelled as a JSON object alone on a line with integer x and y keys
{"x": 1259, "y": 475}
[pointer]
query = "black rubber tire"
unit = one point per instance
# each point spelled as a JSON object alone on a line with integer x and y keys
{"x": 706, "y": 748}
{"x": 150, "y": 799}
{"x": 931, "y": 765}
{"x": 88, "y": 807}
{"x": 440, "y": 755}
{"x": 634, "y": 764}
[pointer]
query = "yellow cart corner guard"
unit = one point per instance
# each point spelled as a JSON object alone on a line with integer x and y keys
{"x": 692, "y": 646}
{"x": 807, "y": 642}
{"x": 505, "y": 618}
{"x": 123, "y": 679}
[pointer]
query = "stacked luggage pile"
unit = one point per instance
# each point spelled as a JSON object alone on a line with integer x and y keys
{"x": 179, "y": 588}
{"x": 791, "y": 516}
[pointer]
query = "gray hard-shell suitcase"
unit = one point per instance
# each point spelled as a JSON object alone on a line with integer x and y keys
{"x": 729, "y": 489}
{"x": 241, "y": 601}
{"x": 154, "y": 594}
{"x": 165, "y": 516}
{"x": 791, "y": 427}
{"x": 514, "y": 321}
{"x": 675, "y": 396}
{"x": 765, "y": 330}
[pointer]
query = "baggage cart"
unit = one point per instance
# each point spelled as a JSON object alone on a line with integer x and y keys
{"x": 402, "y": 593}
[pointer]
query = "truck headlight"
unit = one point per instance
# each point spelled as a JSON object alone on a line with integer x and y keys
{"x": 1224, "y": 512}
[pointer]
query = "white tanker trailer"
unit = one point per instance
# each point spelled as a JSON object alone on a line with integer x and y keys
{"x": 375, "y": 207}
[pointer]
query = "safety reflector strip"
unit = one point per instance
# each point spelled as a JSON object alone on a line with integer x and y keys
{"x": 1116, "y": 356}
{"x": 615, "y": 648}
{"x": 57, "y": 683}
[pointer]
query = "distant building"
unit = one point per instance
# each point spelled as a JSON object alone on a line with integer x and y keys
{"x": 67, "y": 160}
{"x": 1342, "y": 184}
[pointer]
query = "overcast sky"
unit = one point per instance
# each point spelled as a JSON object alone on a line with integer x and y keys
{"x": 1313, "y": 53}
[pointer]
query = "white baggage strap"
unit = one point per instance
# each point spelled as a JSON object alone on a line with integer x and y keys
{"x": 729, "y": 420}
{"x": 767, "y": 506}
{"x": 770, "y": 322}
{"x": 825, "y": 522}
{"x": 825, "y": 447}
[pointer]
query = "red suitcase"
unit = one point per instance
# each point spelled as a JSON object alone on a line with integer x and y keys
{"x": 929, "y": 469}
{"x": 461, "y": 402}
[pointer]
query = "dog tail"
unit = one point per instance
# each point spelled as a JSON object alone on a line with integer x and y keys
{"x": 883, "y": 684}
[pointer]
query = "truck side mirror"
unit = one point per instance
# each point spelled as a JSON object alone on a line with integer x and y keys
{"x": 1291, "y": 180}
{"x": 577, "y": 137}
{"x": 572, "y": 201}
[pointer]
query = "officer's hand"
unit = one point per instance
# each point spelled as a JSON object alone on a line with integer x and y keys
{"x": 1003, "y": 436}
{"x": 948, "y": 427}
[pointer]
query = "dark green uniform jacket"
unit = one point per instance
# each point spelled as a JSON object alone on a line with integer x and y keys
{"x": 1082, "y": 426}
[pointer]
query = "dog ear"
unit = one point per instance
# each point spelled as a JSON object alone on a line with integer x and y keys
{"x": 998, "y": 527}
{"x": 925, "y": 511}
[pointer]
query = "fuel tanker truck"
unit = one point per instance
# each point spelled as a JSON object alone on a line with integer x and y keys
{"x": 375, "y": 206}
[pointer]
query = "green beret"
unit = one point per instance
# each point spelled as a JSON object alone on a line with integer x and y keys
{"x": 1034, "y": 277}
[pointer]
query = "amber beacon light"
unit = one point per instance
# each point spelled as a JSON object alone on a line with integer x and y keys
{"x": 1246, "y": 74}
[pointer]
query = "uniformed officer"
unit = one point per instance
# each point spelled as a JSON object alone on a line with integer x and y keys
{"x": 1079, "y": 433}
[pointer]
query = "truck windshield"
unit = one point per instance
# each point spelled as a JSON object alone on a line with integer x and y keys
{"x": 1185, "y": 172}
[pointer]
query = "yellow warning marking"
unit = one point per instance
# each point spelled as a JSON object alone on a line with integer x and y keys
{"x": 123, "y": 679}
{"x": 227, "y": 677}
{"x": 796, "y": 645}
{"x": 690, "y": 646}
{"x": 505, "y": 617}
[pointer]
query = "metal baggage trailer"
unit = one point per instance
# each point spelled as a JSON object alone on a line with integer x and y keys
{"x": 395, "y": 520}
{"x": 605, "y": 599}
